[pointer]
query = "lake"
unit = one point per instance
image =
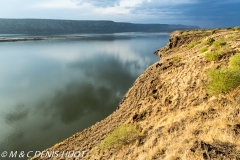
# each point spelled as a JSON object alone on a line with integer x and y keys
{"x": 52, "y": 89}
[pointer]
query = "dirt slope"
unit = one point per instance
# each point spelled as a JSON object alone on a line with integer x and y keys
{"x": 169, "y": 104}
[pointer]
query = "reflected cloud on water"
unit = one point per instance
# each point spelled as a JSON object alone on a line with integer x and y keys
{"x": 93, "y": 97}
{"x": 73, "y": 85}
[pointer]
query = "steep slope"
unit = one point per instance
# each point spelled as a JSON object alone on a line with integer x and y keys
{"x": 175, "y": 116}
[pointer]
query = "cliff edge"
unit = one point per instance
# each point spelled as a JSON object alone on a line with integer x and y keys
{"x": 172, "y": 112}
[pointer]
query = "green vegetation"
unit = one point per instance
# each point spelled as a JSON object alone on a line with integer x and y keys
{"x": 222, "y": 81}
{"x": 209, "y": 41}
{"x": 120, "y": 136}
{"x": 225, "y": 79}
{"x": 204, "y": 49}
{"x": 186, "y": 32}
{"x": 219, "y": 43}
{"x": 213, "y": 31}
{"x": 206, "y": 34}
{"x": 232, "y": 37}
{"x": 174, "y": 59}
{"x": 237, "y": 28}
{"x": 194, "y": 44}
{"x": 197, "y": 42}
{"x": 234, "y": 62}
{"x": 212, "y": 56}
{"x": 217, "y": 51}
{"x": 190, "y": 46}
{"x": 224, "y": 50}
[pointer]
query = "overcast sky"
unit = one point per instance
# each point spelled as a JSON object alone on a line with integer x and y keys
{"x": 205, "y": 13}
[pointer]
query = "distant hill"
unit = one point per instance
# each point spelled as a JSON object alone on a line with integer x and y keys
{"x": 48, "y": 26}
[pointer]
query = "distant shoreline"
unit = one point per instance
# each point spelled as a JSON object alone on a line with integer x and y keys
{"x": 16, "y": 39}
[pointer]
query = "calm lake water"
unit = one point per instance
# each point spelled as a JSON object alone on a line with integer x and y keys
{"x": 52, "y": 89}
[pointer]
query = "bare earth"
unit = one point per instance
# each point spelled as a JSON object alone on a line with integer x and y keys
{"x": 169, "y": 103}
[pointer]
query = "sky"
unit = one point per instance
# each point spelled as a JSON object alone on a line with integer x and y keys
{"x": 204, "y": 13}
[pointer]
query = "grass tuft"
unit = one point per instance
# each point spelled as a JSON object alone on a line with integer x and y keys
{"x": 174, "y": 59}
{"x": 213, "y": 31}
{"x": 234, "y": 62}
{"x": 219, "y": 43}
{"x": 120, "y": 136}
{"x": 224, "y": 50}
{"x": 204, "y": 49}
{"x": 212, "y": 56}
{"x": 197, "y": 42}
{"x": 225, "y": 79}
{"x": 231, "y": 37}
{"x": 222, "y": 81}
{"x": 190, "y": 46}
{"x": 193, "y": 44}
{"x": 209, "y": 41}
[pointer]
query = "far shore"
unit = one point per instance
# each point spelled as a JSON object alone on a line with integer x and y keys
{"x": 14, "y": 39}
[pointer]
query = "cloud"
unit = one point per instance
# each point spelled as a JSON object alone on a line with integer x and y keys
{"x": 213, "y": 13}
{"x": 205, "y": 13}
{"x": 55, "y": 4}
{"x": 100, "y": 3}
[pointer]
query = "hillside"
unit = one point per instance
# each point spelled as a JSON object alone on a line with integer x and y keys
{"x": 49, "y": 26}
{"x": 172, "y": 111}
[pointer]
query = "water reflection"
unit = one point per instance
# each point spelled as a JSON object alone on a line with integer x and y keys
{"x": 67, "y": 86}
{"x": 93, "y": 97}
{"x": 20, "y": 113}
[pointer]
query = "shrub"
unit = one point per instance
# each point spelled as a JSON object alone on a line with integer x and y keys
{"x": 120, "y": 136}
{"x": 212, "y": 56}
{"x": 222, "y": 81}
{"x": 235, "y": 61}
{"x": 204, "y": 49}
{"x": 210, "y": 41}
{"x": 219, "y": 43}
